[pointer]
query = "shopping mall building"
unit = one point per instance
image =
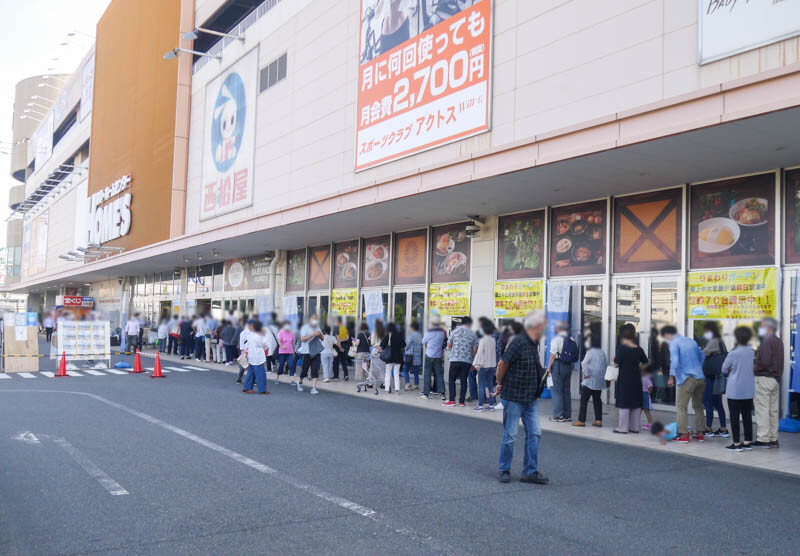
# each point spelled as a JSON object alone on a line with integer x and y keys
{"x": 611, "y": 162}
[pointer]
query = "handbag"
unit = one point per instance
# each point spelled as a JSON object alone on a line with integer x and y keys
{"x": 612, "y": 373}
{"x": 352, "y": 351}
{"x": 315, "y": 346}
{"x": 242, "y": 360}
{"x": 386, "y": 354}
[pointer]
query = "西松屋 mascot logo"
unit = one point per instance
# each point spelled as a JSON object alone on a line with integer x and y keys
{"x": 227, "y": 125}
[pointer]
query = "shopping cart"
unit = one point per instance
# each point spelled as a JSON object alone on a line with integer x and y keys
{"x": 372, "y": 365}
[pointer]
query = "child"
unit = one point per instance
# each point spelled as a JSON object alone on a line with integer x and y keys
{"x": 665, "y": 432}
{"x": 647, "y": 388}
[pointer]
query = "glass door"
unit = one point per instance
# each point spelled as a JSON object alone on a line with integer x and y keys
{"x": 319, "y": 304}
{"x": 408, "y": 307}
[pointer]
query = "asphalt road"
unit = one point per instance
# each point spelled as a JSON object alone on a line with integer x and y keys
{"x": 188, "y": 465}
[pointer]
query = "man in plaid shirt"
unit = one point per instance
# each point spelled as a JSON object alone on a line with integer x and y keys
{"x": 520, "y": 381}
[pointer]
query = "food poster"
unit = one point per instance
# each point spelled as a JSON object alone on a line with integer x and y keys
{"x": 793, "y": 216}
{"x": 296, "y": 270}
{"x": 521, "y": 245}
{"x": 319, "y": 268}
{"x": 345, "y": 272}
{"x": 733, "y": 222}
{"x": 578, "y": 239}
{"x": 450, "y": 254}
{"x": 376, "y": 262}
{"x": 742, "y": 294}
{"x": 647, "y": 232}
{"x": 409, "y": 257}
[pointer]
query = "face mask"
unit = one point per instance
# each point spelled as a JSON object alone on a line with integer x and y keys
{"x": 588, "y": 344}
{"x": 762, "y": 331}
{"x": 562, "y": 333}
{"x": 708, "y": 335}
{"x": 314, "y": 323}
{"x": 286, "y": 327}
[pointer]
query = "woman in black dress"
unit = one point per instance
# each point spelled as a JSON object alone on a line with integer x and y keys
{"x": 629, "y": 383}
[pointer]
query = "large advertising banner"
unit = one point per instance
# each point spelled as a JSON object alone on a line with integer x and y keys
{"x": 517, "y": 298}
{"x": 733, "y": 294}
{"x": 42, "y": 142}
{"x": 34, "y": 245}
{"x": 424, "y": 76}
{"x": 247, "y": 274}
{"x": 229, "y": 139}
{"x": 730, "y": 26}
{"x": 449, "y": 300}
{"x": 87, "y": 88}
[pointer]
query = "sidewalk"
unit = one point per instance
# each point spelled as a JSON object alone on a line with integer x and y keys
{"x": 786, "y": 459}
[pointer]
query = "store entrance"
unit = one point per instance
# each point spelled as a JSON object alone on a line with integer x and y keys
{"x": 165, "y": 310}
{"x": 649, "y": 303}
{"x": 203, "y": 306}
{"x": 318, "y": 303}
{"x": 408, "y": 307}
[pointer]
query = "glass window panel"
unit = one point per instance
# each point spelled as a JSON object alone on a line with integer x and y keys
{"x": 663, "y": 311}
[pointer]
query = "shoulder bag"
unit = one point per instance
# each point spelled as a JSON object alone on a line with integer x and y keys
{"x": 612, "y": 373}
{"x": 386, "y": 353}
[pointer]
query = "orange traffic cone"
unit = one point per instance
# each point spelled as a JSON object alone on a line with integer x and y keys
{"x": 62, "y": 366}
{"x": 157, "y": 368}
{"x": 137, "y": 364}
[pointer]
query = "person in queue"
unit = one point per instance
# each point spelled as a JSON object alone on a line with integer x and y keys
{"x": 132, "y": 333}
{"x": 362, "y": 351}
{"x": 686, "y": 370}
{"x": 593, "y": 369}
{"x": 768, "y": 372}
{"x": 243, "y": 337}
{"x": 563, "y": 353}
{"x": 310, "y": 349}
{"x": 462, "y": 345}
{"x": 199, "y": 327}
{"x": 256, "y": 350}
{"x": 228, "y": 341}
{"x": 715, "y": 353}
{"x": 433, "y": 341}
{"x": 396, "y": 344}
{"x": 485, "y": 365}
{"x": 412, "y": 357}
{"x": 185, "y": 337}
{"x": 174, "y": 336}
{"x": 520, "y": 382}
{"x": 629, "y": 357}
{"x": 740, "y": 388}
{"x": 285, "y": 350}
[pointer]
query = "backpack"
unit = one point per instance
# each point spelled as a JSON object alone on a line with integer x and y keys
{"x": 569, "y": 351}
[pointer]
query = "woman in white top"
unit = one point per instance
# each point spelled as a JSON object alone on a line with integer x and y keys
{"x": 256, "y": 349}
{"x": 485, "y": 362}
{"x": 326, "y": 357}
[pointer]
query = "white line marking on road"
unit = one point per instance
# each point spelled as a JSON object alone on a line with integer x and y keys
{"x": 178, "y": 369}
{"x": 197, "y": 368}
{"x": 73, "y": 373}
{"x": 95, "y": 373}
{"x": 48, "y": 374}
{"x": 116, "y": 372}
{"x": 112, "y": 486}
{"x": 148, "y": 369}
{"x": 368, "y": 513}
{"x": 4, "y": 375}
{"x": 27, "y": 437}
{"x": 27, "y": 375}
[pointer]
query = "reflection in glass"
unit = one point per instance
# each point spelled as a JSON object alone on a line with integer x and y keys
{"x": 400, "y": 303}
{"x": 418, "y": 309}
{"x": 663, "y": 311}
{"x": 629, "y": 306}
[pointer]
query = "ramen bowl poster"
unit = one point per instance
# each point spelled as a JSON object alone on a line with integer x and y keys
{"x": 733, "y": 222}
{"x": 229, "y": 139}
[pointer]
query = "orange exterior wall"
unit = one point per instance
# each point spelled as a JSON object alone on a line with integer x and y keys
{"x": 134, "y": 112}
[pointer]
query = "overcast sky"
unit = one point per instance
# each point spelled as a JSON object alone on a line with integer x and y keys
{"x": 30, "y": 35}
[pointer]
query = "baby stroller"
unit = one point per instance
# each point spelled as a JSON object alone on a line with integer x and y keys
{"x": 370, "y": 365}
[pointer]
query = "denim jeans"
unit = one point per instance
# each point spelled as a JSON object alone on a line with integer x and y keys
{"x": 172, "y": 345}
{"x": 472, "y": 380}
{"x": 458, "y": 371}
{"x": 485, "y": 382}
{"x": 326, "y": 358}
{"x": 529, "y": 413}
{"x": 562, "y": 399}
{"x": 433, "y": 365}
{"x": 199, "y": 348}
{"x": 414, "y": 369}
{"x": 257, "y": 374}
{"x": 712, "y": 402}
{"x": 284, "y": 360}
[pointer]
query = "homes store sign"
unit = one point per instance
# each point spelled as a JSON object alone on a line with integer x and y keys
{"x": 110, "y": 212}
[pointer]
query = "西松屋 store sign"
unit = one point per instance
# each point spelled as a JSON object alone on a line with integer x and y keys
{"x": 110, "y": 212}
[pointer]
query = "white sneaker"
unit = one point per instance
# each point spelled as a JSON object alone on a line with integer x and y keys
{"x": 299, "y": 387}
{"x": 499, "y": 405}
{"x": 314, "y": 391}
{"x": 326, "y": 380}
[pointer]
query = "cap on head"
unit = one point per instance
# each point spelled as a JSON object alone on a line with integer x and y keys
{"x": 769, "y": 322}
{"x": 436, "y": 320}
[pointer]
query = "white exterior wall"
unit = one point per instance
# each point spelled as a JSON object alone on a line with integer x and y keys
{"x": 557, "y": 63}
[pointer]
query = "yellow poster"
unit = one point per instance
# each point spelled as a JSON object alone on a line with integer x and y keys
{"x": 517, "y": 298}
{"x": 449, "y": 299}
{"x": 733, "y": 294}
{"x": 343, "y": 302}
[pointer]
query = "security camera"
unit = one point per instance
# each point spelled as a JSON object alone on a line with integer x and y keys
{"x": 120, "y": 280}
{"x": 472, "y": 230}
